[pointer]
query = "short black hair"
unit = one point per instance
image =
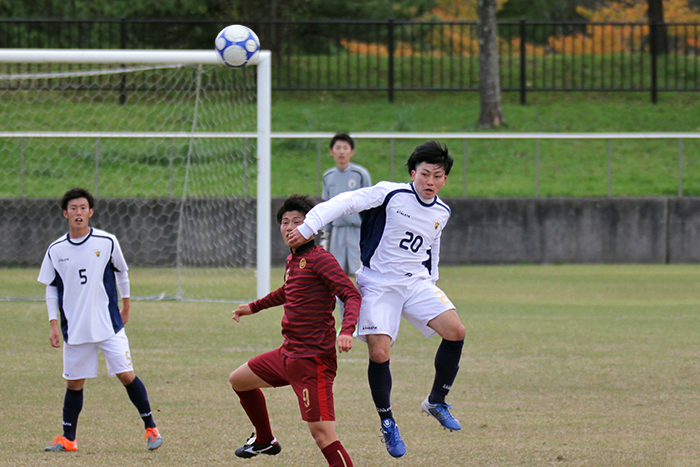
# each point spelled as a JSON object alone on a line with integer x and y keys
{"x": 343, "y": 137}
{"x": 431, "y": 152}
{"x": 296, "y": 202}
{"x": 75, "y": 193}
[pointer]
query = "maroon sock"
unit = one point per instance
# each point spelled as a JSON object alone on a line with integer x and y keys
{"x": 253, "y": 403}
{"x": 336, "y": 455}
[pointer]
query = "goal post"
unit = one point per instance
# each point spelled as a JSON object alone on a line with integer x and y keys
{"x": 264, "y": 171}
{"x": 194, "y": 137}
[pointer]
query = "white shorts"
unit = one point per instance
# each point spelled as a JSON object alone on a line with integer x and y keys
{"x": 386, "y": 299}
{"x": 80, "y": 361}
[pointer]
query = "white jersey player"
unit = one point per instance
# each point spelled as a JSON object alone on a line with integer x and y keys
{"x": 400, "y": 247}
{"x": 91, "y": 268}
{"x": 394, "y": 216}
{"x": 82, "y": 271}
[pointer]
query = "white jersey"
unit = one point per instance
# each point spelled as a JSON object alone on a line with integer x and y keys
{"x": 336, "y": 181}
{"x": 400, "y": 234}
{"x": 83, "y": 273}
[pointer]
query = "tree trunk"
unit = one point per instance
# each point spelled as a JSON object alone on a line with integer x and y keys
{"x": 489, "y": 79}
{"x": 655, "y": 14}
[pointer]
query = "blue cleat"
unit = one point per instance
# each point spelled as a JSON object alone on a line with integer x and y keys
{"x": 392, "y": 438}
{"x": 442, "y": 414}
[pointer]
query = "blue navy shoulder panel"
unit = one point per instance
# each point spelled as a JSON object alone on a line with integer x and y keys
{"x": 372, "y": 228}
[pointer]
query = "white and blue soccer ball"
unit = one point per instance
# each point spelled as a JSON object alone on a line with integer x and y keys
{"x": 237, "y": 46}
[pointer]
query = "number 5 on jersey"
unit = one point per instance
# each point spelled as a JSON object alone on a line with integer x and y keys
{"x": 83, "y": 277}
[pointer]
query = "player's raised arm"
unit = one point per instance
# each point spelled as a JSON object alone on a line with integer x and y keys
{"x": 350, "y": 202}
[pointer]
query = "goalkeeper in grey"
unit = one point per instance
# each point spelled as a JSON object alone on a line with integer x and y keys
{"x": 342, "y": 236}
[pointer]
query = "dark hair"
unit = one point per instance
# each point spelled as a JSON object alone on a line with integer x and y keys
{"x": 75, "y": 193}
{"x": 431, "y": 152}
{"x": 296, "y": 202}
{"x": 343, "y": 137}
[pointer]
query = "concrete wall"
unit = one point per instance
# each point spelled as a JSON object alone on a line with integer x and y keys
{"x": 481, "y": 231}
{"x": 571, "y": 230}
{"x": 212, "y": 232}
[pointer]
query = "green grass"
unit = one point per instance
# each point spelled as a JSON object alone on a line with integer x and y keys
{"x": 486, "y": 168}
{"x": 224, "y": 284}
{"x": 506, "y": 167}
{"x": 563, "y": 365}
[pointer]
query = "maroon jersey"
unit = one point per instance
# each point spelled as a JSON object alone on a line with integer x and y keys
{"x": 312, "y": 280}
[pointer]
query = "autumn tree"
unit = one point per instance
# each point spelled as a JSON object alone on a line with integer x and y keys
{"x": 489, "y": 78}
{"x": 655, "y": 13}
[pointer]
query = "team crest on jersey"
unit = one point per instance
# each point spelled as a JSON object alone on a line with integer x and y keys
{"x": 97, "y": 253}
{"x": 302, "y": 263}
{"x": 437, "y": 224}
{"x": 352, "y": 184}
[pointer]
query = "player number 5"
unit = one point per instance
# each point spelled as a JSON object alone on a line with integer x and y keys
{"x": 443, "y": 297}
{"x": 81, "y": 273}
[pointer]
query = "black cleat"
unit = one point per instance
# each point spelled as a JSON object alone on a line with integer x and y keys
{"x": 252, "y": 448}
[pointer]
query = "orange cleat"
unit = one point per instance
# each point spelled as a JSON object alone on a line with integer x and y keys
{"x": 154, "y": 439}
{"x": 62, "y": 444}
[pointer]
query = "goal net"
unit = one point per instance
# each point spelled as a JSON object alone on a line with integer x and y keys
{"x": 175, "y": 148}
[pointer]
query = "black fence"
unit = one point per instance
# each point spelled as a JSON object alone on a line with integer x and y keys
{"x": 392, "y": 55}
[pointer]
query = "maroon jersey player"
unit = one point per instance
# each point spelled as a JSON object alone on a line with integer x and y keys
{"x": 307, "y": 359}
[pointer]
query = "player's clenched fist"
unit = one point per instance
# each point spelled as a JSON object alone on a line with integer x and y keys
{"x": 295, "y": 239}
{"x": 344, "y": 343}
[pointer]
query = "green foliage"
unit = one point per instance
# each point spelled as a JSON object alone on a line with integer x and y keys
{"x": 115, "y": 9}
{"x": 215, "y": 9}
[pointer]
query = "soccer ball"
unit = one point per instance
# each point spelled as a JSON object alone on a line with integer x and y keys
{"x": 237, "y": 46}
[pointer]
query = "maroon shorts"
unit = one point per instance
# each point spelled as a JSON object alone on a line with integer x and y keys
{"x": 311, "y": 378}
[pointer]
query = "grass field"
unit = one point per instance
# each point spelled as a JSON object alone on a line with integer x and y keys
{"x": 563, "y": 365}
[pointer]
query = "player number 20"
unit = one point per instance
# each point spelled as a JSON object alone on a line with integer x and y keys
{"x": 411, "y": 242}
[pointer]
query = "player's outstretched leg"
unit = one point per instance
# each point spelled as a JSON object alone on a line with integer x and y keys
{"x": 252, "y": 448}
{"x": 446, "y": 368}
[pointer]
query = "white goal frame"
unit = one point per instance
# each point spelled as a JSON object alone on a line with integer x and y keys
{"x": 179, "y": 57}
